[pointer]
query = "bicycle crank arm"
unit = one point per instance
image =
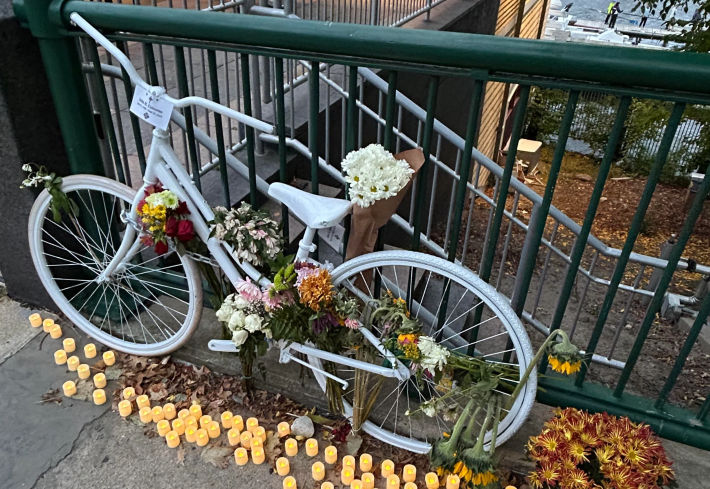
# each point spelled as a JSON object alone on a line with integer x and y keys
{"x": 223, "y": 345}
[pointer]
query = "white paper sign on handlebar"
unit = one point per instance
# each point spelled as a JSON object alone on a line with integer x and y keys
{"x": 152, "y": 109}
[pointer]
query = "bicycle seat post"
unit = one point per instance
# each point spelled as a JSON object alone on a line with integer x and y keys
{"x": 306, "y": 246}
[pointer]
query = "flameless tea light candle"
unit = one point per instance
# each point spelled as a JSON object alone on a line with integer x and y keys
{"x": 327, "y": 485}
{"x": 289, "y": 483}
{"x": 146, "y": 415}
{"x": 178, "y": 426}
{"x": 128, "y": 392}
{"x": 205, "y": 421}
{"x": 318, "y": 471}
{"x": 47, "y": 325}
{"x": 256, "y": 442}
{"x": 349, "y": 462}
{"x": 226, "y": 418}
{"x": 260, "y": 432}
{"x": 99, "y": 397}
{"x": 191, "y": 434}
{"x": 432, "y": 481}
{"x": 258, "y": 456}
{"x": 125, "y": 408}
{"x": 73, "y": 363}
{"x": 238, "y": 423}
{"x": 169, "y": 411}
{"x": 84, "y": 371}
{"x": 213, "y": 429}
{"x": 142, "y": 401}
{"x": 240, "y": 456}
{"x": 291, "y": 447}
{"x": 202, "y": 437}
{"x": 100, "y": 380}
{"x": 387, "y": 468}
{"x": 172, "y": 439}
{"x": 409, "y": 474}
{"x": 233, "y": 437}
{"x": 69, "y": 345}
{"x": 109, "y": 358}
{"x": 60, "y": 357}
{"x": 245, "y": 440}
{"x": 283, "y": 429}
{"x": 191, "y": 422}
{"x": 196, "y": 411}
{"x": 35, "y": 320}
{"x": 252, "y": 424}
{"x": 356, "y": 484}
{"x": 163, "y": 427}
{"x": 69, "y": 388}
{"x": 366, "y": 462}
{"x": 368, "y": 480}
{"x": 282, "y": 466}
{"x": 347, "y": 475}
{"x": 55, "y": 332}
{"x": 452, "y": 482}
{"x": 183, "y": 413}
{"x": 311, "y": 447}
{"x": 90, "y": 350}
{"x": 157, "y": 413}
{"x": 331, "y": 455}
{"x": 410, "y": 485}
{"x": 393, "y": 482}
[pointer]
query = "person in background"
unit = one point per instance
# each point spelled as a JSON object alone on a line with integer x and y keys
{"x": 644, "y": 19}
{"x": 670, "y": 18}
{"x": 608, "y": 12}
{"x": 615, "y": 11}
{"x": 697, "y": 16}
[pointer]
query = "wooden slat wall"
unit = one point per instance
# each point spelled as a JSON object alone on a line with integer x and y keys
{"x": 531, "y": 21}
{"x": 507, "y": 11}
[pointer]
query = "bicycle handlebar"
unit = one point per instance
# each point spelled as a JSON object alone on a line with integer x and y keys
{"x": 160, "y": 91}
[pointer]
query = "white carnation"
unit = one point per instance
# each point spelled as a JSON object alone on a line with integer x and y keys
{"x": 434, "y": 356}
{"x": 237, "y": 320}
{"x": 252, "y": 323}
{"x": 374, "y": 174}
{"x": 239, "y": 337}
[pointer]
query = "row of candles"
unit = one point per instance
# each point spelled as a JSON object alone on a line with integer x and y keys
{"x": 247, "y": 436}
{"x": 73, "y": 363}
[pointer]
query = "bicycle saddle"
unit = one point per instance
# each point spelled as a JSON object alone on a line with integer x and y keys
{"x": 315, "y": 211}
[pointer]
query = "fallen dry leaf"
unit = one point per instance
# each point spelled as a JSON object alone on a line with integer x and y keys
{"x": 181, "y": 455}
{"x": 84, "y": 391}
{"x": 51, "y": 395}
{"x": 217, "y": 456}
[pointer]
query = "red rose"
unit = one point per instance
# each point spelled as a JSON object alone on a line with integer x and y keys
{"x": 161, "y": 247}
{"x": 182, "y": 209}
{"x": 186, "y": 231}
{"x": 171, "y": 227}
{"x": 153, "y": 189}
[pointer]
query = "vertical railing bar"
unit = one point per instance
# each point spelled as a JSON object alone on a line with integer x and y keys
{"x": 119, "y": 124}
{"x": 423, "y": 172}
{"x": 327, "y": 113}
{"x": 399, "y": 129}
{"x": 452, "y": 198}
{"x": 545, "y": 267}
{"x": 625, "y": 314}
{"x": 251, "y": 162}
{"x": 292, "y": 96}
{"x": 465, "y": 171}
{"x": 106, "y": 112}
{"x": 380, "y": 108}
{"x": 351, "y": 108}
{"x": 281, "y": 131}
{"x": 187, "y": 113}
{"x": 149, "y": 56}
{"x": 229, "y": 98}
{"x": 219, "y": 131}
{"x": 135, "y": 125}
{"x": 414, "y": 193}
{"x": 491, "y": 243}
{"x": 658, "y": 297}
{"x": 632, "y": 234}
{"x": 432, "y": 199}
{"x": 538, "y": 220}
{"x": 508, "y": 235}
{"x": 389, "y": 110}
{"x": 486, "y": 238}
{"x": 360, "y": 115}
{"x": 592, "y": 265}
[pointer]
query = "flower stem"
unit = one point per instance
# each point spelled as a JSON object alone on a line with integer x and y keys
{"x": 536, "y": 359}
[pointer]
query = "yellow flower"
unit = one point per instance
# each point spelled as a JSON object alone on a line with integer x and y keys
{"x": 484, "y": 478}
{"x": 564, "y": 368}
{"x": 316, "y": 290}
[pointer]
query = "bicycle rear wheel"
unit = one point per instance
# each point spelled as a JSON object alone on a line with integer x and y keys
{"x": 445, "y": 298}
{"x": 149, "y": 307}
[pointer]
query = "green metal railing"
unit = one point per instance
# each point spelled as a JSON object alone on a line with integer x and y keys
{"x": 337, "y": 61}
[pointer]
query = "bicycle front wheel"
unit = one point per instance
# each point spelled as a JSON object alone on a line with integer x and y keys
{"x": 462, "y": 313}
{"x": 149, "y": 306}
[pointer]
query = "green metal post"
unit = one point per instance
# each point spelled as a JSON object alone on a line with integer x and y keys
{"x": 351, "y": 129}
{"x": 184, "y": 91}
{"x": 214, "y": 88}
{"x": 281, "y": 130}
{"x": 390, "y": 107}
{"x": 641, "y": 209}
{"x": 149, "y": 56}
{"x": 313, "y": 114}
{"x": 422, "y": 179}
{"x": 581, "y": 242}
{"x": 251, "y": 161}
{"x": 658, "y": 296}
{"x": 135, "y": 125}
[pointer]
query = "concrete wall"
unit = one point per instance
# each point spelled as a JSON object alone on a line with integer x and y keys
{"x": 29, "y": 133}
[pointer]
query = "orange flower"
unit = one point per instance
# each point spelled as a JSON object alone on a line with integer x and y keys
{"x": 316, "y": 290}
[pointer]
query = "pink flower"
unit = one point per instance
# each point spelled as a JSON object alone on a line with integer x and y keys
{"x": 249, "y": 290}
{"x": 279, "y": 299}
{"x": 352, "y": 323}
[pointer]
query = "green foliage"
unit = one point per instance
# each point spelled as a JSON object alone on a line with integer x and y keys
{"x": 53, "y": 184}
{"x": 541, "y": 121}
{"x": 695, "y": 36}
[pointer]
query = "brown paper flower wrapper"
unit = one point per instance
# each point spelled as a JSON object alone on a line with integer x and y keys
{"x": 367, "y": 221}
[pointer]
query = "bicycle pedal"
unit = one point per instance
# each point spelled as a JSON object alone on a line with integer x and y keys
{"x": 222, "y": 345}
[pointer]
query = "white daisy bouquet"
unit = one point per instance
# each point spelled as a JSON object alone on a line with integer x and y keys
{"x": 375, "y": 174}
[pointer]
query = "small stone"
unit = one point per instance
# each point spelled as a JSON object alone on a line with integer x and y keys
{"x": 303, "y": 426}
{"x": 584, "y": 177}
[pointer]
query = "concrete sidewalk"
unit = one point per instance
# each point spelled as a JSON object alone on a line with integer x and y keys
{"x": 78, "y": 445}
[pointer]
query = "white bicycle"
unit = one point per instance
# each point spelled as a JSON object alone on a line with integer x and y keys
{"x": 119, "y": 292}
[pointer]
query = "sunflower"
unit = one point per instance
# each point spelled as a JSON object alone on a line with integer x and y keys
{"x": 564, "y": 367}
{"x": 564, "y": 357}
